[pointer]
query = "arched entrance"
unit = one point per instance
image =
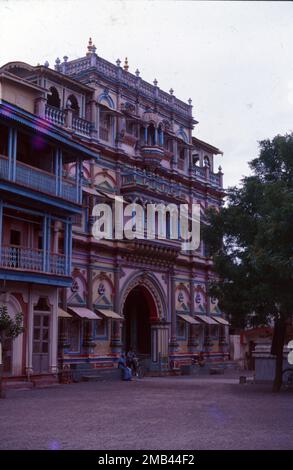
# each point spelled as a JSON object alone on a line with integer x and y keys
{"x": 145, "y": 327}
{"x": 139, "y": 312}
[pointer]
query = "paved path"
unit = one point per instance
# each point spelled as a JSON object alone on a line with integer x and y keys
{"x": 153, "y": 413}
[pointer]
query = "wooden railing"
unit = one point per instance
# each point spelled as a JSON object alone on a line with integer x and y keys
{"x": 32, "y": 259}
{"x": 39, "y": 180}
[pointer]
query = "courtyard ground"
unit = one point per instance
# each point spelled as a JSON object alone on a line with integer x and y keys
{"x": 180, "y": 413}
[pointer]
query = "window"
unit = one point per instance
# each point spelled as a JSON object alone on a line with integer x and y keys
{"x": 130, "y": 129}
{"x": 215, "y": 331}
{"x": 206, "y": 161}
{"x": 53, "y": 99}
{"x": 181, "y": 329}
{"x": 72, "y": 104}
{"x": 101, "y": 328}
{"x": 105, "y": 125}
{"x": 73, "y": 332}
{"x": 195, "y": 159}
{"x": 181, "y": 160}
{"x": 15, "y": 237}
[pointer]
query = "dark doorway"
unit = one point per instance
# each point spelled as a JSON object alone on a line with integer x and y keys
{"x": 137, "y": 327}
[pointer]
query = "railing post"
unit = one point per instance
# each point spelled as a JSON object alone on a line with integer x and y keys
{"x": 68, "y": 247}
{"x": 60, "y": 171}
{"x": 78, "y": 180}
{"x": 44, "y": 242}
{"x": 40, "y": 106}
{"x": 56, "y": 158}
{"x": 14, "y": 155}
{"x": 10, "y": 135}
{"x": 48, "y": 250}
{"x": 68, "y": 118}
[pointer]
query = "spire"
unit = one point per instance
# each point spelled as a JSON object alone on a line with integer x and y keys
{"x": 89, "y": 46}
{"x": 126, "y": 66}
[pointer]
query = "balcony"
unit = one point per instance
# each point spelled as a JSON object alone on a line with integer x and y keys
{"x": 152, "y": 154}
{"x": 81, "y": 126}
{"x": 32, "y": 259}
{"x": 55, "y": 115}
{"x": 39, "y": 180}
{"x": 204, "y": 174}
{"x": 149, "y": 181}
{"x": 66, "y": 119}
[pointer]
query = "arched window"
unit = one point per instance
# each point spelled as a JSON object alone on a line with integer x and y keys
{"x": 161, "y": 135}
{"x": 53, "y": 98}
{"x": 206, "y": 161}
{"x": 72, "y": 103}
{"x": 195, "y": 159}
{"x": 151, "y": 135}
{"x": 105, "y": 125}
{"x": 181, "y": 160}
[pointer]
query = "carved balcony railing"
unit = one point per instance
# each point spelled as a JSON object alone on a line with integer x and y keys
{"x": 204, "y": 174}
{"x": 81, "y": 126}
{"x": 32, "y": 259}
{"x": 55, "y": 115}
{"x": 39, "y": 180}
{"x": 150, "y": 181}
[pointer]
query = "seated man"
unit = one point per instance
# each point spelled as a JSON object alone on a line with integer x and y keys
{"x": 125, "y": 371}
{"x": 131, "y": 360}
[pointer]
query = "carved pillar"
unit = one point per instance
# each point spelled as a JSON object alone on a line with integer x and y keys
{"x": 88, "y": 336}
{"x": 159, "y": 343}
{"x": 40, "y": 106}
{"x": 207, "y": 336}
{"x": 116, "y": 325}
{"x": 173, "y": 341}
{"x": 193, "y": 329}
{"x": 68, "y": 118}
{"x": 30, "y": 325}
{"x": 94, "y": 119}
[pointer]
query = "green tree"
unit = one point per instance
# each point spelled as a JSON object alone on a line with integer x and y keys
{"x": 250, "y": 242}
{"x": 9, "y": 328}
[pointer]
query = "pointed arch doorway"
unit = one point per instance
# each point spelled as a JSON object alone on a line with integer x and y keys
{"x": 143, "y": 329}
{"x": 137, "y": 328}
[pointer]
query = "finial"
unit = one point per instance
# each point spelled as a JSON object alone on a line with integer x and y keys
{"x": 126, "y": 66}
{"x": 171, "y": 91}
{"x": 57, "y": 64}
{"x": 189, "y": 101}
{"x": 65, "y": 58}
{"x": 137, "y": 72}
{"x": 89, "y": 46}
{"x": 46, "y": 64}
{"x": 155, "y": 82}
{"x": 118, "y": 62}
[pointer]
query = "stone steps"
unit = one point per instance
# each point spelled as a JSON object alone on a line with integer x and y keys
{"x": 17, "y": 385}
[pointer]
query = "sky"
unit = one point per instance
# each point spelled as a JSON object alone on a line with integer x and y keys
{"x": 232, "y": 58}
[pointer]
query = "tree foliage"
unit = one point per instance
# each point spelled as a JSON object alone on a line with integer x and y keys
{"x": 9, "y": 327}
{"x": 250, "y": 240}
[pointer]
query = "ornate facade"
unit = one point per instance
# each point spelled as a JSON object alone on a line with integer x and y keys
{"x": 88, "y": 131}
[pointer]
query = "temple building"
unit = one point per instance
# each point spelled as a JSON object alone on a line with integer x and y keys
{"x": 82, "y": 134}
